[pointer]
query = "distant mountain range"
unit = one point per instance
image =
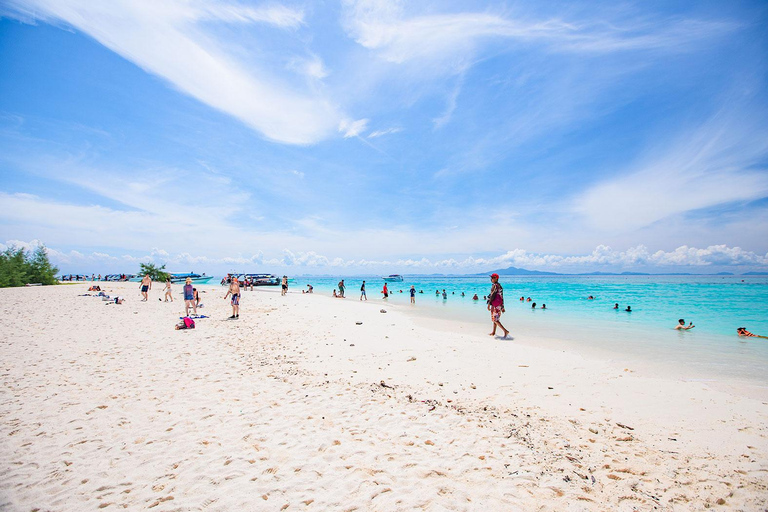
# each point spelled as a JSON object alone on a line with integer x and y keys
{"x": 514, "y": 271}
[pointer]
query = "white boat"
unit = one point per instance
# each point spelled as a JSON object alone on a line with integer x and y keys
{"x": 258, "y": 279}
{"x": 393, "y": 278}
{"x": 181, "y": 277}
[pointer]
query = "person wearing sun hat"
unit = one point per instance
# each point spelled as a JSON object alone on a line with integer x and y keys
{"x": 496, "y": 305}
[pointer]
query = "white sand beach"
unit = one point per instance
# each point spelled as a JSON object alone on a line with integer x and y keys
{"x": 313, "y": 403}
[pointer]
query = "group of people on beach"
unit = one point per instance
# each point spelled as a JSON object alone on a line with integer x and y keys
{"x": 494, "y": 300}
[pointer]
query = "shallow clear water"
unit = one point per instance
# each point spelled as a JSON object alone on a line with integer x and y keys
{"x": 715, "y": 304}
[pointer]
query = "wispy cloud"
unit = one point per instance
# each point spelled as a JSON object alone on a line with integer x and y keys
{"x": 717, "y": 163}
{"x": 170, "y": 39}
{"x": 386, "y": 27}
{"x": 353, "y": 128}
{"x": 381, "y": 133}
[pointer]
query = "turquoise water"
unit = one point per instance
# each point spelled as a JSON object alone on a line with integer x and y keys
{"x": 715, "y": 304}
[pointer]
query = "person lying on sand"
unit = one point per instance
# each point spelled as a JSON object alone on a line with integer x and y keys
{"x": 742, "y": 331}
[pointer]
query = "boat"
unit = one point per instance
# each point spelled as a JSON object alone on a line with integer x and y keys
{"x": 181, "y": 277}
{"x": 119, "y": 277}
{"x": 393, "y": 278}
{"x": 257, "y": 279}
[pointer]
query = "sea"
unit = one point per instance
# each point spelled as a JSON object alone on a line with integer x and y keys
{"x": 646, "y": 337}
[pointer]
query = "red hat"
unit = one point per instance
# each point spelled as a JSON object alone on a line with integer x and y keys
{"x": 495, "y": 275}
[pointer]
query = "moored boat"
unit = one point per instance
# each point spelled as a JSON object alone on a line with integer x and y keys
{"x": 393, "y": 278}
{"x": 257, "y": 279}
{"x": 181, "y": 277}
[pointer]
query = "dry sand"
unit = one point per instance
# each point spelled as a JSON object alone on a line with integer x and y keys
{"x": 297, "y": 407}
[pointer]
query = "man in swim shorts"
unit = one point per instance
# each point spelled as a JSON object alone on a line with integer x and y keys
{"x": 362, "y": 292}
{"x": 146, "y": 285}
{"x": 341, "y": 288}
{"x": 234, "y": 290}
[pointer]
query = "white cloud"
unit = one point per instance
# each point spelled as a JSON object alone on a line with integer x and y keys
{"x": 386, "y": 27}
{"x": 381, "y": 133}
{"x": 168, "y": 38}
{"x": 277, "y": 15}
{"x": 603, "y": 257}
{"x": 713, "y": 164}
{"x": 353, "y": 128}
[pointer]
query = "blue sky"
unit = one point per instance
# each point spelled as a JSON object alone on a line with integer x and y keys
{"x": 383, "y": 136}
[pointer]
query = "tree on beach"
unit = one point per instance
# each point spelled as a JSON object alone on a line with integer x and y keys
{"x": 18, "y": 267}
{"x": 155, "y": 273}
{"x": 40, "y": 268}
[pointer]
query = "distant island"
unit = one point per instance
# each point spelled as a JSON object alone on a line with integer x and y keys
{"x": 514, "y": 271}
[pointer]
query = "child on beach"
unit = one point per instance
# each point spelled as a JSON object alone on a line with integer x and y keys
{"x": 496, "y": 305}
{"x": 413, "y": 294}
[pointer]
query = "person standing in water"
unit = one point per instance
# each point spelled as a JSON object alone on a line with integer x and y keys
{"x": 682, "y": 327}
{"x": 496, "y": 305}
{"x": 341, "y": 288}
{"x": 234, "y": 290}
{"x": 385, "y": 291}
{"x": 284, "y": 286}
{"x": 413, "y": 294}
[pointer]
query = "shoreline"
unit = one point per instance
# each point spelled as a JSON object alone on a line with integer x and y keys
{"x": 506, "y": 422}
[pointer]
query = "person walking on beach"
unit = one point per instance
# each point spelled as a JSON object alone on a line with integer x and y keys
{"x": 362, "y": 292}
{"x": 385, "y": 291}
{"x": 682, "y": 327}
{"x": 496, "y": 305}
{"x": 341, "y": 288}
{"x": 234, "y": 290}
{"x": 168, "y": 290}
{"x": 284, "y": 286}
{"x": 413, "y": 294}
{"x": 146, "y": 285}
{"x": 189, "y": 298}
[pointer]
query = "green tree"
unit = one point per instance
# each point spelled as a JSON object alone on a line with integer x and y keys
{"x": 40, "y": 269}
{"x": 18, "y": 267}
{"x": 155, "y": 273}
{"x": 13, "y": 268}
